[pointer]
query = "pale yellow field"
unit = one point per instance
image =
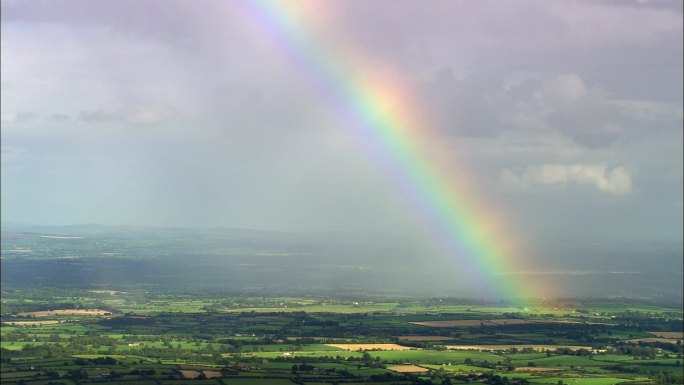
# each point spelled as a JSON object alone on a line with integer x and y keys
{"x": 29, "y": 323}
{"x": 505, "y": 347}
{"x": 355, "y": 347}
{"x": 212, "y": 373}
{"x": 190, "y": 374}
{"x": 47, "y": 313}
{"x": 407, "y": 369}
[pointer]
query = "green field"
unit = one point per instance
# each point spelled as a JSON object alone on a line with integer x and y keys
{"x": 152, "y": 337}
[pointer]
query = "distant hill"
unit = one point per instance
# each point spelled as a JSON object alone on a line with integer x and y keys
{"x": 326, "y": 263}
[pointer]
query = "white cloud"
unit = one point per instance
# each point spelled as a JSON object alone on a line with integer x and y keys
{"x": 616, "y": 181}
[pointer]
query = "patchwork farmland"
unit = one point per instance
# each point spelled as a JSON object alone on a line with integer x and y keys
{"x": 170, "y": 338}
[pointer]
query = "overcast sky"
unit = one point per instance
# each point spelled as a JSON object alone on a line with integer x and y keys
{"x": 186, "y": 113}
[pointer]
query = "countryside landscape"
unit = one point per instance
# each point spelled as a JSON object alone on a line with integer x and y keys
{"x": 342, "y": 192}
{"x": 60, "y": 326}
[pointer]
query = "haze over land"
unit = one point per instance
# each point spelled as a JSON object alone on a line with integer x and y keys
{"x": 233, "y": 261}
{"x": 565, "y": 116}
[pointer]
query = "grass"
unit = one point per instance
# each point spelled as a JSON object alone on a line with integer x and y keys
{"x": 581, "y": 380}
{"x": 195, "y": 333}
{"x": 434, "y": 356}
{"x": 293, "y": 355}
{"x": 18, "y": 345}
{"x": 455, "y": 368}
{"x": 560, "y": 361}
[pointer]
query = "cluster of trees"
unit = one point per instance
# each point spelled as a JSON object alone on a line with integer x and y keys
{"x": 647, "y": 321}
{"x": 650, "y": 370}
{"x": 50, "y": 350}
{"x": 489, "y": 378}
{"x": 365, "y": 360}
{"x": 646, "y": 351}
{"x": 44, "y": 351}
{"x": 669, "y": 378}
{"x": 96, "y": 361}
{"x": 22, "y": 306}
{"x": 571, "y": 352}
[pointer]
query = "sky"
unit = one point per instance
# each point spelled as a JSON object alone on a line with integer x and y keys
{"x": 565, "y": 115}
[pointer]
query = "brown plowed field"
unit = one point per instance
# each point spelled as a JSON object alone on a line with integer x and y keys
{"x": 193, "y": 374}
{"x": 672, "y": 335}
{"x": 666, "y": 340}
{"x": 505, "y": 347}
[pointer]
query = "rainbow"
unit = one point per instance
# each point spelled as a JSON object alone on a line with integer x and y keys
{"x": 377, "y": 107}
